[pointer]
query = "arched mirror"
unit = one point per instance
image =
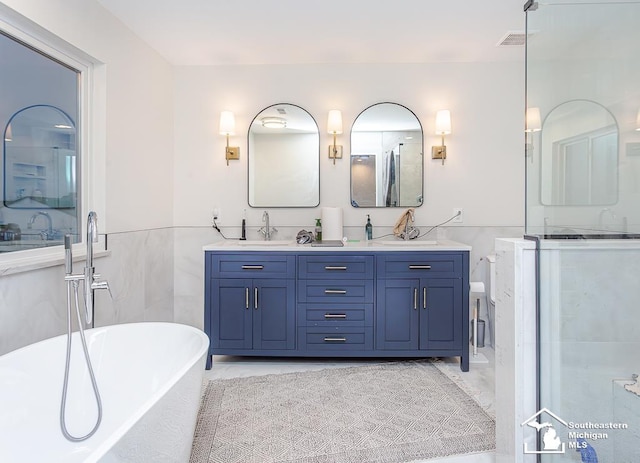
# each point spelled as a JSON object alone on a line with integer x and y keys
{"x": 40, "y": 161}
{"x": 579, "y": 155}
{"x": 386, "y": 157}
{"x": 284, "y": 158}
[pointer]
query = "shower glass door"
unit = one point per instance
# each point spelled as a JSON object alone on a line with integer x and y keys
{"x": 582, "y": 196}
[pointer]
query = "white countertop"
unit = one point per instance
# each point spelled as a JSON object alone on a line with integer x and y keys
{"x": 375, "y": 245}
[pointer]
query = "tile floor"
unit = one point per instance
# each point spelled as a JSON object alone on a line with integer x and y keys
{"x": 478, "y": 381}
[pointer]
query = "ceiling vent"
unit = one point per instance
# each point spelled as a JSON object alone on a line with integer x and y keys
{"x": 281, "y": 110}
{"x": 512, "y": 38}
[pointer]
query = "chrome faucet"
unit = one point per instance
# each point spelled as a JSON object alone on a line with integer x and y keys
{"x": 47, "y": 234}
{"x": 267, "y": 230}
{"x": 90, "y": 278}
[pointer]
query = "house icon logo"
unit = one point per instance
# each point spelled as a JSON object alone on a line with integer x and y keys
{"x": 551, "y": 443}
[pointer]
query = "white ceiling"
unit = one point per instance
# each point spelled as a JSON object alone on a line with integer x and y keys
{"x": 231, "y": 32}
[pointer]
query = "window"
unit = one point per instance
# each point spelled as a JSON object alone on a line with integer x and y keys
{"x": 40, "y": 119}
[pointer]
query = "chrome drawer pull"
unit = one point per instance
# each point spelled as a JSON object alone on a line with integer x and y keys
{"x": 335, "y": 339}
{"x": 335, "y": 315}
{"x": 419, "y": 267}
{"x": 252, "y": 267}
{"x": 335, "y": 291}
{"x": 332, "y": 267}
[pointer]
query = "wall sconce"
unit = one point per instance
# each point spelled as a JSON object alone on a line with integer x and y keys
{"x": 8, "y": 135}
{"x": 334, "y": 126}
{"x": 443, "y": 127}
{"x": 638, "y": 121}
{"x": 228, "y": 127}
{"x": 533, "y": 123}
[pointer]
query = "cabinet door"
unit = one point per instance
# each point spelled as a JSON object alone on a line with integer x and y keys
{"x": 273, "y": 307}
{"x": 441, "y": 313}
{"x": 398, "y": 310}
{"x": 231, "y": 313}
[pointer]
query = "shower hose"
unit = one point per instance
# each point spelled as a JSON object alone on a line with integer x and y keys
{"x": 65, "y": 387}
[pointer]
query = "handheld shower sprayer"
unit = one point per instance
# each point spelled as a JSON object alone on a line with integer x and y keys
{"x": 68, "y": 257}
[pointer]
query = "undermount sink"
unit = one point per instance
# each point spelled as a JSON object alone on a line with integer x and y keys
{"x": 406, "y": 242}
{"x": 263, "y": 243}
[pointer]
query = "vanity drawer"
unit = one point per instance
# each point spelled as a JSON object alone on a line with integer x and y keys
{"x": 252, "y": 265}
{"x": 335, "y": 314}
{"x": 336, "y": 291}
{"x": 336, "y": 266}
{"x": 336, "y": 339}
{"x": 419, "y": 265}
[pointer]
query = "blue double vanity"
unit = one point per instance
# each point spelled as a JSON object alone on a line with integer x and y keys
{"x": 381, "y": 299}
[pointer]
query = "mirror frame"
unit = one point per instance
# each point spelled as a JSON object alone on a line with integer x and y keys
{"x": 249, "y": 159}
{"x": 422, "y": 173}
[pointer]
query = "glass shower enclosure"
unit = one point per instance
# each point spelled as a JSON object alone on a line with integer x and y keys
{"x": 582, "y": 147}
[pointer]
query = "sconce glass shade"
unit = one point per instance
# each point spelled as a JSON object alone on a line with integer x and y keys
{"x": 334, "y": 121}
{"x": 8, "y": 135}
{"x": 443, "y": 122}
{"x": 533, "y": 122}
{"x": 638, "y": 121}
{"x": 227, "y": 123}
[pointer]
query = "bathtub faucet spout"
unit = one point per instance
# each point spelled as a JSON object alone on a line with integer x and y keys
{"x": 91, "y": 278}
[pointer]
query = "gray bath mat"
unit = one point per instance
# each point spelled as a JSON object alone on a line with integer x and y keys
{"x": 385, "y": 413}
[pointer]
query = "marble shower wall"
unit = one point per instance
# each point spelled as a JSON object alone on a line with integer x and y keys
{"x": 139, "y": 268}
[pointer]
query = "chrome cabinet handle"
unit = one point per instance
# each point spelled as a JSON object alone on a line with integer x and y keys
{"x": 335, "y": 291}
{"x": 419, "y": 267}
{"x": 252, "y": 267}
{"x": 424, "y": 297}
{"x": 246, "y": 298}
{"x": 255, "y": 298}
{"x": 415, "y": 298}
{"x": 335, "y": 315}
{"x": 335, "y": 267}
{"x": 328, "y": 339}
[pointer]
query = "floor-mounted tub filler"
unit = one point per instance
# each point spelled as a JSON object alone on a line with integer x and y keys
{"x": 150, "y": 378}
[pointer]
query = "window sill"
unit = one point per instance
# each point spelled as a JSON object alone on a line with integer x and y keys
{"x": 27, "y": 261}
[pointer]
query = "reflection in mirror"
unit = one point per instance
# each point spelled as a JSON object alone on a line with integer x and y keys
{"x": 40, "y": 159}
{"x": 284, "y": 158}
{"x": 39, "y": 118}
{"x": 579, "y": 155}
{"x": 386, "y": 157}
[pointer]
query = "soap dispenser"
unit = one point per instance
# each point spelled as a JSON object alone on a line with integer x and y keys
{"x": 368, "y": 229}
{"x": 318, "y": 230}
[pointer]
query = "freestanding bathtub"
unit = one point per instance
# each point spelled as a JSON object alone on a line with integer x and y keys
{"x": 150, "y": 378}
